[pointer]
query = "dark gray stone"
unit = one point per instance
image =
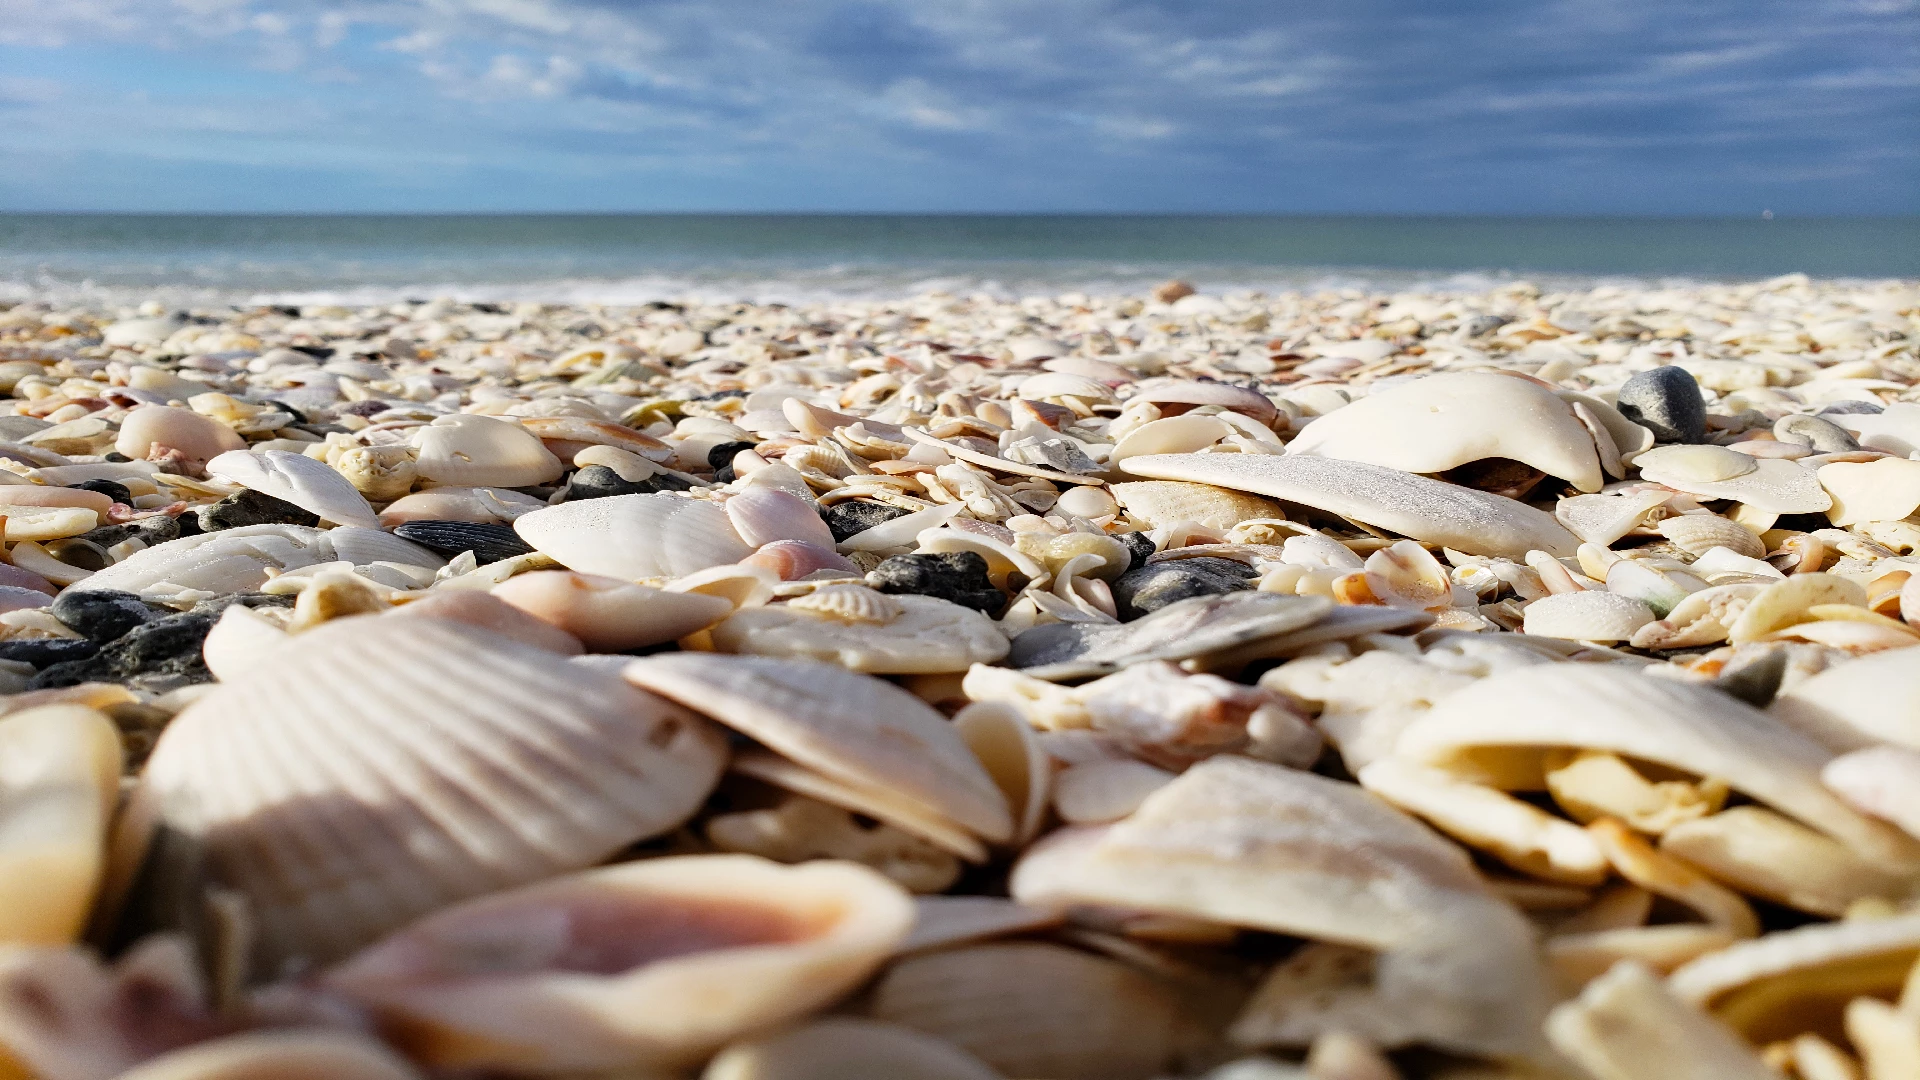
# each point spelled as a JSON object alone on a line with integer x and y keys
{"x": 1139, "y": 544}
{"x": 489, "y": 543}
{"x": 958, "y": 576}
{"x": 117, "y": 492}
{"x": 1824, "y": 436}
{"x": 855, "y": 516}
{"x": 251, "y": 508}
{"x": 163, "y": 652}
{"x": 1667, "y": 401}
{"x": 600, "y": 482}
{"x": 101, "y": 615}
{"x": 45, "y": 652}
{"x": 1146, "y": 589}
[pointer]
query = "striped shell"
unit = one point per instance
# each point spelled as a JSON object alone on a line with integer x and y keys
{"x": 849, "y": 603}
{"x": 635, "y": 536}
{"x": 1696, "y": 534}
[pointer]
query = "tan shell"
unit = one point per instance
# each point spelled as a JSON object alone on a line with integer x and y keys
{"x": 1443, "y": 421}
{"x": 380, "y": 473}
{"x": 1788, "y": 602}
{"x": 59, "y": 785}
{"x": 1854, "y": 705}
{"x": 850, "y": 604}
{"x": 1765, "y": 854}
{"x": 1165, "y": 502}
{"x": 941, "y": 921}
{"x": 801, "y": 828}
{"x": 634, "y": 536}
{"x": 181, "y": 429}
{"x": 1032, "y": 1009}
{"x": 279, "y": 1055}
{"x": 852, "y": 727}
{"x": 579, "y": 432}
{"x": 45, "y": 522}
{"x": 1627, "y": 1026}
{"x": 1098, "y": 792}
{"x": 1883, "y": 490}
{"x": 1772, "y": 484}
{"x": 482, "y": 451}
{"x": 927, "y": 634}
{"x": 840, "y": 1047}
{"x": 1187, "y": 392}
{"x": 1008, "y": 749}
{"x": 881, "y": 804}
{"x": 657, "y": 962}
{"x": 1173, "y": 435}
{"x": 1699, "y": 533}
{"x": 499, "y": 765}
{"x": 607, "y": 614}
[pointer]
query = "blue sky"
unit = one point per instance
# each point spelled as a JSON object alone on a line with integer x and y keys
{"x": 1383, "y": 106}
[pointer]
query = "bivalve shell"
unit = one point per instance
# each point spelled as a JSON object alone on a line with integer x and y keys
{"x": 180, "y": 429}
{"x": 1883, "y": 490}
{"x": 925, "y": 634}
{"x": 1698, "y": 534}
{"x": 469, "y": 449}
{"x": 1771, "y": 484}
{"x": 1165, "y": 502}
{"x": 635, "y": 536}
{"x": 278, "y": 1055}
{"x": 607, "y": 614}
{"x": 59, "y": 784}
{"x": 308, "y": 484}
{"x": 1587, "y": 616}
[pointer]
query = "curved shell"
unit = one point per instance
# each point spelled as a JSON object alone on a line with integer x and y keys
{"x": 1772, "y": 484}
{"x": 658, "y": 962}
{"x": 1172, "y": 435}
{"x": 59, "y": 784}
{"x": 1587, "y": 616}
{"x": 278, "y": 1055}
{"x": 1787, "y": 982}
{"x": 1853, "y": 706}
{"x": 607, "y": 614}
{"x": 229, "y": 561}
{"x": 842, "y": 1046}
{"x": 882, "y": 804}
{"x": 586, "y": 432}
{"x": 485, "y": 505}
{"x": 181, "y": 429}
{"x": 308, "y": 484}
{"x": 850, "y": 604}
{"x": 1437, "y": 512}
{"x": 1444, "y": 421}
{"x": 635, "y": 536}
{"x": 1697, "y": 534}
{"x": 925, "y": 634}
{"x": 763, "y": 515}
{"x": 1188, "y": 392}
{"x": 1008, "y": 749}
{"x": 1164, "y": 502}
{"x": 468, "y": 449}
{"x": 391, "y": 765}
{"x": 864, "y": 731}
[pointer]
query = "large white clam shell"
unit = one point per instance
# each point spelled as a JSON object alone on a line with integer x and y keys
{"x": 59, "y": 783}
{"x": 1884, "y": 490}
{"x": 658, "y": 962}
{"x": 1458, "y": 517}
{"x": 308, "y": 484}
{"x": 855, "y": 728}
{"x": 1444, "y": 421}
{"x": 483, "y": 451}
{"x": 635, "y": 536}
{"x": 228, "y": 561}
{"x": 388, "y": 766}
{"x": 840, "y": 1047}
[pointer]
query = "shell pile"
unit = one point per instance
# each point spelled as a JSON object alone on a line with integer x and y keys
{"x": 1514, "y": 684}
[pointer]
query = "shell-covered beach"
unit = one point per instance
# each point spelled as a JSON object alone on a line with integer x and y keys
{"x": 1341, "y": 685}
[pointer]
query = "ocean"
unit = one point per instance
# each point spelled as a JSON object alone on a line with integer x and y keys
{"x": 190, "y": 260}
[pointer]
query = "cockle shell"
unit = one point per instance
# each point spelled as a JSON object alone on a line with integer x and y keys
{"x": 1771, "y": 484}
{"x": 1444, "y": 421}
{"x": 499, "y": 765}
{"x": 1698, "y": 534}
{"x": 308, "y": 484}
{"x": 608, "y": 614}
{"x": 181, "y": 429}
{"x": 468, "y": 449}
{"x": 1587, "y": 616}
{"x": 1164, "y": 502}
{"x": 854, "y": 728}
{"x": 1437, "y": 512}
{"x": 652, "y": 963}
{"x": 635, "y": 536}
{"x": 59, "y": 784}
{"x": 850, "y": 604}
{"x": 925, "y": 634}
{"x": 841, "y": 1047}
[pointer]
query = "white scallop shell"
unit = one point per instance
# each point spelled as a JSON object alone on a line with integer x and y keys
{"x": 389, "y": 766}
{"x": 228, "y": 561}
{"x": 469, "y": 449}
{"x": 1587, "y": 616}
{"x": 635, "y": 536}
{"x": 311, "y": 485}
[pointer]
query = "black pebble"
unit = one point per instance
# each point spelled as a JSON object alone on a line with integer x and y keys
{"x": 1755, "y": 681}
{"x": 1667, "y": 401}
{"x": 1149, "y": 588}
{"x": 117, "y": 492}
{"x": 101, "y": 615}
{"x": 722, "y": 455}
{"x": 959, "y": 576}
{"x": 251, "y": 508}
{"x": 855, "y": 516}
{"x": 43, "y": 652}
{"x": 489, "y": 543}
{"x": 1139, "y": 543}
{"x": 166, "y": 651}
{"x": 600, "y": 482}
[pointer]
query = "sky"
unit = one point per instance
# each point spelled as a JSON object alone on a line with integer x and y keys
{"x": 1719, "y": 107}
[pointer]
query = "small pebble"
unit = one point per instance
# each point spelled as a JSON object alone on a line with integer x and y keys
{"x": 958, "y": 576}
{"x": 251, "y": 508}
{"x": 600, "y": 482}
{"x": 162, "y": 653}
{"x": 1149, "y": 588}
{"x": 117, "y": 492}
{"x": 854, "y": 516}
{"x": 101, "y": 615}
{"x": 44, "y": 652}
{"x": 1667, "y": 401}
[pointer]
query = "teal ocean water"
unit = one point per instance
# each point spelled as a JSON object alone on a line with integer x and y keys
{"x": 798, "y": 258}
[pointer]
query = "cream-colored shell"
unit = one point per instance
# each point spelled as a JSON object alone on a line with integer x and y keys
{"x": 1587, "y": 616}
{"x": 1771, "y": 484}
{"x": 1719, "y": 980}
{"x": 1165, "y": 502}
{"x": 181, "y": 429}
{"x": 1627, "y": 1025}
{"x": 1173, "y": 435}
{"x": 1009, "y": 750}
{"x": 843, "y": 1046}
{"x": 849, "y": 726}
{"x": 608, "y": 614}
{"x": 1444, "y": 421}
{"x": 927, "y": 634}
{"x": 1098, "y": 792}
{"x": 474, "y": 450}
{"x": 388, "y": 766}
{"x": 1437, "y": 512}
{"x": 45, "y": 522}
{"x": 1884, "y": 490}
{"x": 1698, "y": 534}
{"x": 308, "y": 484}
{"x": 1852, "y": 706}
{"x": 652, "y": 963}
{"x": 279, "y": 1055}
{"x": 59, "y": 784}
{"x": 635, "y": 536}
{"x": 228, "y": 561}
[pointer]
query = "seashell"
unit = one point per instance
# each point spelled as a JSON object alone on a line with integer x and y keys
{"x": 478, "y": 504}
{"x": 1173, "y": 435}
{"x": 1495, "y": 730}
{"x": 1177, "y": 392}
{"x": 635, "y": 536}
{"x": 302, "y": 481}
{"x": 278, "y": 1055}
{"x": 1883, "y": 490}
{"x": 1196, "y": 627}
{"x": 1161, "y": 503}
{"x": 181, "y": 429}
{"x": 1641, "y": 864}
{"x": 1697, "y": 534}
{"x": 1433, "y": 511}
{"x": 1098, "y": 792}
{"x": 1879, "y": 780}
{"x": 905, "y": 815}
{"x": 764, "y": 516}
{"x": 1033, "y": 1009}
{"x": 1797, "y": 980}
{"x": 839, "y": 1047}
{"x": 480, "y": 450}
{"x": 1771, "y": 484}
{"x": 794, "y": 560}
{"x": 228, "y": 561}
{"x": 1007, "y": 748}
{"x": 1763, "y": 854}
{"x": 1063, "y": 384}
{"x": 37, "y": 496}
{"x": 239, "y": 640}
{"x": 1404, "y": 574}
{"x": 853, "y": 728}
{"x": 1587, "y": 616}
{"x": 1082, "y": 502}
{"x": 996, "y": 463}
{"x": 380, "y": 473}
{"x": 1627, "y": 1025}
{"x": 1661, "y": 591}
{"x": 45, "y": 522}
{"x": 850, "y": 604}
{"x": 595, "y": 765}
{"x": 59, "y": 785}
{"x": 926, "y": 634}
{"x": 1443, "y": 421}
{"x": 351, "y": 543}
{"x": 489, "y": 542}
{"x": 941, "y": 921}
{"x": 1156, "y": 711}
{"x": 1855, "y": 705}
{"x": 1517, "y": 833}
{"x": 652, "y": 963}
{"x": 66, "y": 1015}
{"x": 1787, "y": 602}
{"x": 578, "y": 433}
{"x": 800, "y": 829}
{"x": 608, "y": 614}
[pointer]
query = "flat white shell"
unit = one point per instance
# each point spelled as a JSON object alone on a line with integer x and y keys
{"x": 308, "y": 484}
{"x": 1463, "y": 518}
{"x": 635, "y": 536}
{"x": 1883, "y": 490}
{"x": 1773, "y": 484}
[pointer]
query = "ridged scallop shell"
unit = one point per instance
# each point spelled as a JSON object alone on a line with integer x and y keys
{"x": 59, "y": 784}
{"x": 635, "y": 536}
{"x": 856, "y": 728}
{"x": 850, "y": 603}
{"x": 1441, "y": 422}
{"x": 1697, "y": 534}
{"x": 652, "y": 963}
{"x": 1164, "y": 502}
{"x": 1033, "y": 1009}
{"x": 924, "y": 635}
{"x": 840, "y": 1047}
{"x": 1587, "y": 616}
{"x": 480, "y": 450}
{"x": 308, "y": 484}
{"x": 607, "y": 614}
{"x": 497, "y": 765}
{"x": 229, "y": 561}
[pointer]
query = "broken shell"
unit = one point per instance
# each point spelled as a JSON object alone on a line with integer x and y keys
{"x": 1772, "y": 484}
{"x": 489, "y": 542}
{"x": 840, "y": 1047}
{"x": 469, "y": 449}
{"x": 1626, "y": 1025}
{"x": 353, "y": 852}
{"x": 59, "y": 784}
{"x": 1404, "y": 574}
{"x": 635, "y": 536}
{"x": 855, "y": 728}
{"x": 925, "y": 634}
{"x": 1425, "y": 509}
{"x": 1441, "y": 422}
{"x": 1173, "y": 435}
{"x": 607, "y": 614}
{"x": 1198, "y": 626}
{"x": 1883, "y": 490}
{"x": 1603, "y": 519}
{"x": 657, "y": 962}
{"x": 905, "y": 814}
{"x": 380, "y": 473}
{"x": 182, "y": 429}
{"x": 37, "y": 523}
{"x": 1764, "y": 854}
{"x": 574, "y": 433}
{"x": 1857, "y": 704}
{"x": 1783, "y": 604}
{"x": 1697, "y": 534}
{"x": 1587, "y": 616}
{"x": 302, "y": 481}
{"x": 801, "y": 828}
{"x": 1592, "y": 785}
{"x": 1160, "y": 503}
{"x": 1800, "y": 980}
